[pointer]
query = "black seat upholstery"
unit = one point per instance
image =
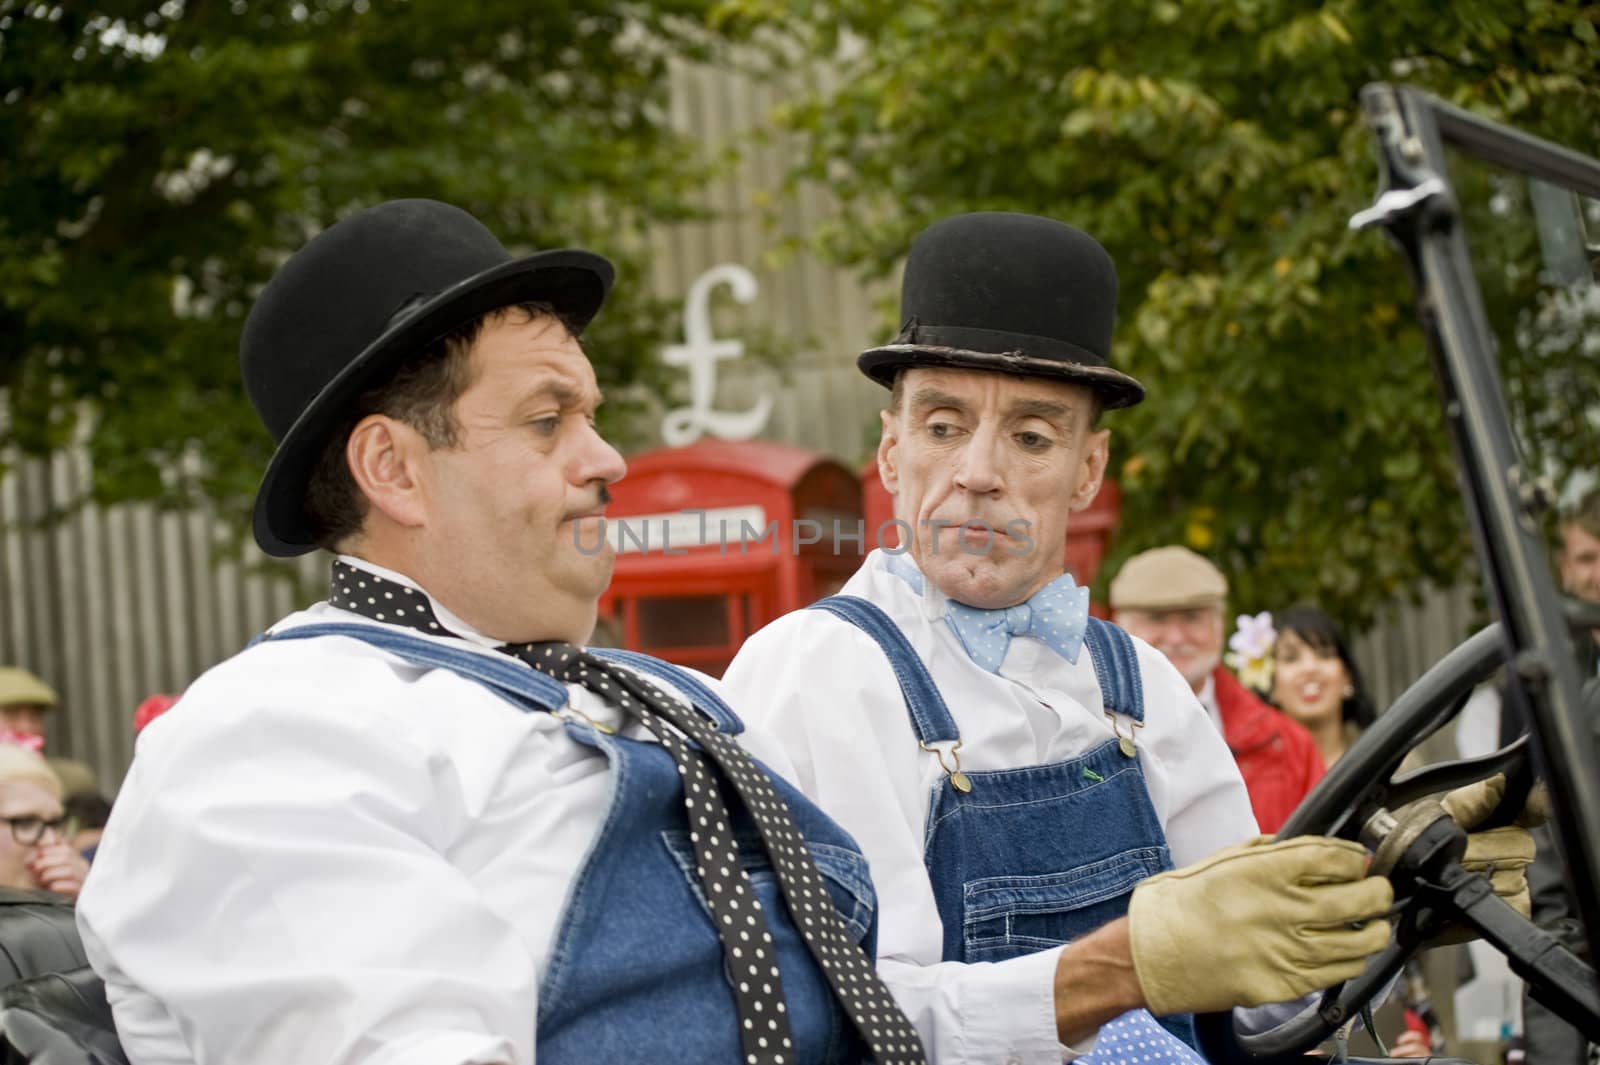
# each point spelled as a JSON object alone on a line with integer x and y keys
{"x": 53, "y": 1008}
{"x": 37, "y": 935}
{"x": 58, "y": 1019}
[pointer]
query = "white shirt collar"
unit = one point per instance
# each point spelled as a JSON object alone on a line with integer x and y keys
{"x": 935, "y": 604}
{"x": 1208, "y": 699}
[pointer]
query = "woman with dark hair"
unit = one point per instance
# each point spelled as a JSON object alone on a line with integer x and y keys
{"x": 1316, "y": 681}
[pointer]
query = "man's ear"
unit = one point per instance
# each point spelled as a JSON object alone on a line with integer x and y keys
{"x": 1092, "y": 468}
{"x": 382, "y": 453}
{"x": 888, "y": 460}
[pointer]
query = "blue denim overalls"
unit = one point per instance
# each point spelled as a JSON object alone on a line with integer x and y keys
{"x": 1034, "y": 857}
{"x": 637, "y": 973}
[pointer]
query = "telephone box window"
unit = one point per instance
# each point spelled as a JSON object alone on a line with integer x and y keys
{"x": 683, "y": 621}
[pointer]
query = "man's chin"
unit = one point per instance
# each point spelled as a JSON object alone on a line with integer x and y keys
{"x": 595, "y": 572}
{"x": 982, "y": 581}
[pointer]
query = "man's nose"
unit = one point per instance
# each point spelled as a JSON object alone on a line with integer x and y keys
{"x": 1174, "y": 645}
{"x": 978, "y": 470}
{"x": 598, "y": 461}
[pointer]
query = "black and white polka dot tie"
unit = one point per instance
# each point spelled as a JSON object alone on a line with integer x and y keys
{"x": 746, "y": 940}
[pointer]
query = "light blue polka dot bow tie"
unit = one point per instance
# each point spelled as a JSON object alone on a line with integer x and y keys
{"x": 1056, "y": 614}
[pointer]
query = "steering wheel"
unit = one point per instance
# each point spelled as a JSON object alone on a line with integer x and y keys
{"x": 1420, "y": 853}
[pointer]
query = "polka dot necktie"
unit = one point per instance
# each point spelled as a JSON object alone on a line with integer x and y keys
{"x": 748, "y": 951}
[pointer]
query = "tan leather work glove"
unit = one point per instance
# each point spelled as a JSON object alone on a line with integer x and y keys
{"x": 1503, "y": 853}
{"x": 1257, "y": 923}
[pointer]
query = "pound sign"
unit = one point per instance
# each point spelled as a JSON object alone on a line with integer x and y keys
{"x": 700, "y": 352}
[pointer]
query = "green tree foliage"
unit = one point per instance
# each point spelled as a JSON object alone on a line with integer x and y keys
{"x": 157, "y": 160}
{"x": 1217, "y": 149}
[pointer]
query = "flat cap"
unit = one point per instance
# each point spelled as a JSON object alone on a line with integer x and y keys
{"x": 18, "y": 687}
{"x": 1167, "y": 578}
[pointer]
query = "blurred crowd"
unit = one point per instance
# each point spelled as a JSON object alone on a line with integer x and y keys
{"x": 55, "y": 808}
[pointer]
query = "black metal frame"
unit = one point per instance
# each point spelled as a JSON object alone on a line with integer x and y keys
{"x": 1420, "y": 211}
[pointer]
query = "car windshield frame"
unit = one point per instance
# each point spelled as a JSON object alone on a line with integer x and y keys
{"x": 1419, "y": 208}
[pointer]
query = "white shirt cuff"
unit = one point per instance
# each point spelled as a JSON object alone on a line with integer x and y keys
{"x": 1012, "y": 1019}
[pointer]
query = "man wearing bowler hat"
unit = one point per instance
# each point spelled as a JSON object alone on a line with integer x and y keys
{"x": 417, "y": 823}
{"x": 1023, "y": 777}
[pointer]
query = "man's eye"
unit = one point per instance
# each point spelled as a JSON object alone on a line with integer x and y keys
{"x": 547, "y": 425}
{"x": 1033, "y": 441}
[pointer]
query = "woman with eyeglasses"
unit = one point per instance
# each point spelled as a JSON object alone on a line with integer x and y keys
{"x": 34, "y": 851}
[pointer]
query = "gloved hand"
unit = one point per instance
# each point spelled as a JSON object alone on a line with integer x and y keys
{"x": 1503, "y": 853}
{"x": 1257, "y": 923}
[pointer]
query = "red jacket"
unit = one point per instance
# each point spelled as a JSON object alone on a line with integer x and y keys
{"x": 1276, "y": 755}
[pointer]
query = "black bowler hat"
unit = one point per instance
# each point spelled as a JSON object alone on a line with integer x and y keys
{"x": 367, "y": 293}
{"x": 1014, "y": 293}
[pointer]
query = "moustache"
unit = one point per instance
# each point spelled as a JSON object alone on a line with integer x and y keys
{"x": 592, "y": 510}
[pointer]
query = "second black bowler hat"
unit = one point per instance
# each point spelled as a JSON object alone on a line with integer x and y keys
{"x": 1013, "y": 293}
{"x": 366, "y": 294}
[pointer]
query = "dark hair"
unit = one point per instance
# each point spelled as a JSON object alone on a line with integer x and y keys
{"x": 90, "y": 809}
{"x": 422, "y": 393}
{"x": 1323, "y": 635}
{"x": 897, "y": 394}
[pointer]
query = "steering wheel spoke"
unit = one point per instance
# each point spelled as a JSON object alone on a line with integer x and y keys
{"x": 1447, "y": 775}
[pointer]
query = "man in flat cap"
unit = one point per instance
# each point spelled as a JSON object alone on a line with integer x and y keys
{"x": 418, "y": 823}
{"x": 1020, "y": 775}
{"x": 24, "y": 702}
{"x": 1174, "y": 600}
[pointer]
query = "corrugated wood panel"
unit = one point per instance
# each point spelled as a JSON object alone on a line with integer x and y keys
{"x": 109, "y": 606}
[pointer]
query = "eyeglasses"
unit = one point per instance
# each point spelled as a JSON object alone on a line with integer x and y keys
{"x": 30, "y": 830}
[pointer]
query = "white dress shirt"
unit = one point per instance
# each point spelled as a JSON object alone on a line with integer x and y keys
{"x": 826, "y": 691}
{"x": 323, "y": 854}
{"x": 1208, "y": 699}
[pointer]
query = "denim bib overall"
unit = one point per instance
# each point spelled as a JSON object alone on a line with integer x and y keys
{"x": 637, "y": 972}
{"x": 1035, "y": 857}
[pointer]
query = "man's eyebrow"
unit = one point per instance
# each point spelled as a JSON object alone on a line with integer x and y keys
{"x": 931, "y": 398}
{"x": 563, "y": 392}
{"x": 1048, "y": 409}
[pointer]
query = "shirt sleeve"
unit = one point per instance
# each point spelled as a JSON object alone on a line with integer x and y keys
{"x": 850, "y": 749}
{"x": 273, "y": 885}
{"x": 1195, "y": 786}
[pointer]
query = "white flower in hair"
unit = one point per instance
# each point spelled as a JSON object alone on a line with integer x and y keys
{"x": 1250, "y": 650}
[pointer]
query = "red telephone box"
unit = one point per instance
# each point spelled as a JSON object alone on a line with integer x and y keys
{"x": 718, "y": 538}
{"x": 1088, "y": 533}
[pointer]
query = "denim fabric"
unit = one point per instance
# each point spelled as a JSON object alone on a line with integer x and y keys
{"x": 1035, "y": 857}
{"x": 637, "y": 972}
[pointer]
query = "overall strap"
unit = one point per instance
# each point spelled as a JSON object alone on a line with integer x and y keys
{"x": 930, "y": 717}
{"x": 1116, "y": 666}
{"x": 499, "y": 673}
{"x": 705, "y": 700}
